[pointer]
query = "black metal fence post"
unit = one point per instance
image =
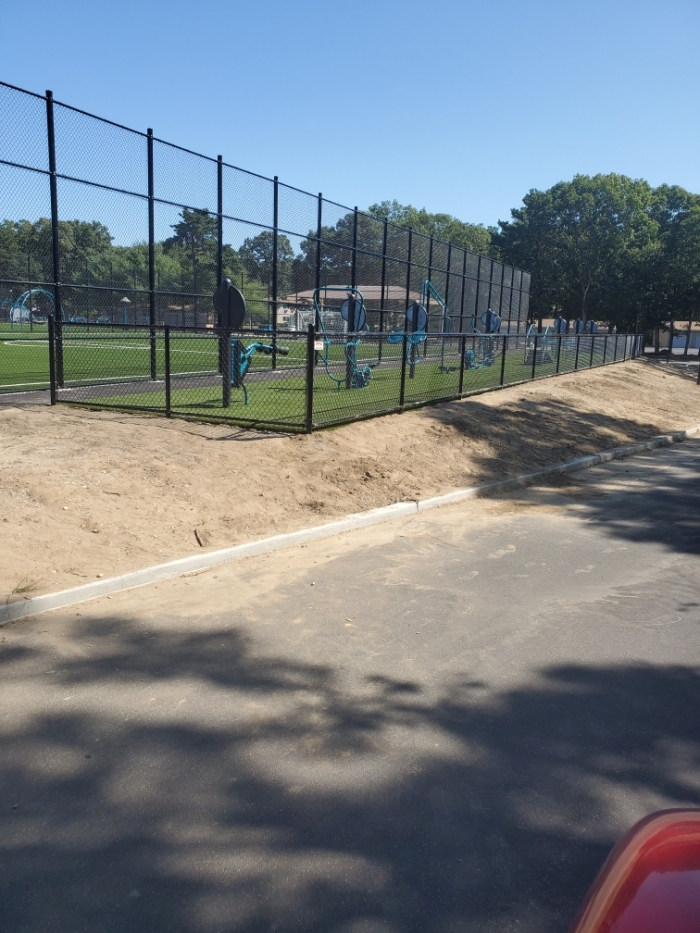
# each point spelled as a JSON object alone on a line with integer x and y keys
{"x": 52, "y": 360}
{"x": 605, "y": 348}
{"x": 226, "y": 368}
{"x": 447, "y": 277}
{"x": 478, "y": 288}
{"x": 309, "y": 387}
{"x": 151, "y": 257}
{"x": 534, "y": 356}
{"x": 219, "y": 220}
{"x": 462, "y": 351}
{"x": 319, "y": 235}
{"x": 430, "y": 279}
{"x": 500, "y": 300}
{"x": 166, "y": 364}
{"x": 404, "y": 354}
{"x": 353, "y": 267}
{"x": 382, "y": 288}
{"x": 55, "y": 252}
{"x": 615, "y": 350}
{"x": 350, "y": 346}
{"x": 624, "y": 348}
{"x": 590, "y": 362}
{"x": 578, "y": 346}
{"x": 558, "y": 353}
{"x": 510, "y": 300}
{"x": 414, "y": 352}
{"x": 275, "y": 260}
{"x": 409, "y": 251}
{"x": 503, "y": 360}
{"x": 464, "y": 291}
{"x": 319, "y": 253}
{"x": 220, "y": 237}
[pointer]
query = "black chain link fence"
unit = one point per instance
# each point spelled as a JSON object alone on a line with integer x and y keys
{"x": 295, "y": 381}
{"x": 119, "y": 239}
{"x": 120, "y": 227}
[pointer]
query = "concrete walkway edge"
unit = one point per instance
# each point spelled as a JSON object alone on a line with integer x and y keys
{"x": 21, "y": 609}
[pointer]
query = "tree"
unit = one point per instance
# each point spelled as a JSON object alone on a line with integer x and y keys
{"x": 196, "y": 236}
{"x": 445, "y": 227}
{"x": 257, "y": 254}
{"x": 586, "y": 243}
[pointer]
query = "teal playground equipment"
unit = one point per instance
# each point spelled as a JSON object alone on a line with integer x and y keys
{"x": 32, "y": 307}
{"x": 414, "y": 334}
{"x": 429, "y": 291}
{"x": 539, "y": 347}
{"x": 241, "y": 357}
{"x": 352, "y": 311}
{"x": 482, "y": 352}
{"x": 231, "y": 311}
{"x": 415, "y": 328}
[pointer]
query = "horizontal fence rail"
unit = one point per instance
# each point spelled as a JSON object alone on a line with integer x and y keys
{"x": 106, "y": 225}
{"x": 301, "y": 381}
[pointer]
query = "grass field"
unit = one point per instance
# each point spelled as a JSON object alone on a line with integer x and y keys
{"x": 109, "y": 368}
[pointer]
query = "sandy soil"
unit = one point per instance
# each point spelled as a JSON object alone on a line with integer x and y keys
{"x": 84, "y": 494}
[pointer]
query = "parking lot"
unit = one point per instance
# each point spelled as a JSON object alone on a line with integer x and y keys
{"x": 440, "y": 724}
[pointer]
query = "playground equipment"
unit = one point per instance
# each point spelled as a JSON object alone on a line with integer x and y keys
{"x": 590, "y": 327}
{"x": 538, "y": 347}
{"x": 353, "y": 313}
{"x": 480, "y": 354}
{"x": 231, "y": 310}
{"x": 414, "y": 334}
{"x": 32, "y": 307}
{"x": 241, "y": 356}
{"x": 416, "y": 325}
{"x": 429, "y": 291}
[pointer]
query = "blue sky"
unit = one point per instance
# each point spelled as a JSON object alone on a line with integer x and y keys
{"x": 459, "y": 107}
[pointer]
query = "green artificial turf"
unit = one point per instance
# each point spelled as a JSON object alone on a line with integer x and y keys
{"x": 112, "y": 369}
{"x": 281, "y": 399}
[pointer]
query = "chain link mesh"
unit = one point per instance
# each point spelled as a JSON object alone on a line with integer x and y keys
{"x": 248, "y": 197}
{"x": 131, "y": 303}
{"x": 183, "y": 178}
{"x": 99, "y": 152}
{"x": 23, "y": 129}
{"x": 281, "y": 381}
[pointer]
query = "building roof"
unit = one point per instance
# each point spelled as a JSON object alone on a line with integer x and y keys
{"x": 371, "y": 293}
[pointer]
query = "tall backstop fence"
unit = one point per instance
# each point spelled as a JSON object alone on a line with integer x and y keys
{"x": 294, "y": 381}
{"x": 101, "y": 223}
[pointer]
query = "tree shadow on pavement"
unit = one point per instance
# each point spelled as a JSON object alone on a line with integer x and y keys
{"x": 529, "y": 434}
{"x": 664, "y": 508}
{"x": 180, "y": 782}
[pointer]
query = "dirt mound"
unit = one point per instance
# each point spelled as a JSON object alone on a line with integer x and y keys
{"x": 88, "y": 494}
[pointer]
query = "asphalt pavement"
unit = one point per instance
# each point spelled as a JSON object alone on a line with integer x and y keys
{"x": 442, "y": 724}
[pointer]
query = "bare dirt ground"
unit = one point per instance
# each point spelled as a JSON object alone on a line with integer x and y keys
{"x": 89, "y": 494}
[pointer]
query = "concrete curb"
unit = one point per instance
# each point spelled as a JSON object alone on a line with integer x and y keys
{"x": 10, "y": 612}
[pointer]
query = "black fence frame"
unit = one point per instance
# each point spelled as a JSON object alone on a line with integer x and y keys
{"x": 345, "y": 245}
{"x": 615, "y": 348}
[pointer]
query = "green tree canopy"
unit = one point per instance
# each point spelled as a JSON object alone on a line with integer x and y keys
{"x": 596, "y": 247}
{"x": 445, "y": 227}
{"x": 256, "y": 254}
